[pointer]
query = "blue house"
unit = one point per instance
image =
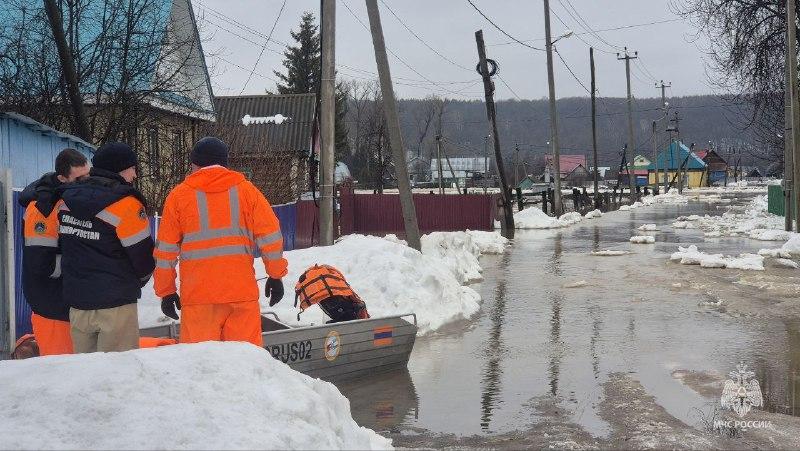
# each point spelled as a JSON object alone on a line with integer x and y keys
{"x": 677, "y": 155}
{"x": 29, "y": 148}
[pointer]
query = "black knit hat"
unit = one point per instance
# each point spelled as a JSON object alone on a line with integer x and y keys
{"x": 114, "y": 157}
{"x": 210, "y": 151}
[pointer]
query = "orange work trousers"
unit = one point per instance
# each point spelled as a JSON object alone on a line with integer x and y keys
{"x": 232, "y": 321}
{"x": 52, "y": 336}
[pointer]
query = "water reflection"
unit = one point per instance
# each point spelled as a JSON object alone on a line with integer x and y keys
{"x": 381, "y": 401}
{"x": 553, "y": 265}
{"x": 493, "y": 371}
{"x": 554, "y": 366}
{"x": 596, "y": 323}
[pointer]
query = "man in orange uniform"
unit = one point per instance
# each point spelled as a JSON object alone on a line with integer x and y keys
{"x": 41, "y": 257}
{"x": 214, "y": 221}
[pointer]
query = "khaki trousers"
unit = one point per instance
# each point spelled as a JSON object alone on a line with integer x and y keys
{"x": 107, "y": 330}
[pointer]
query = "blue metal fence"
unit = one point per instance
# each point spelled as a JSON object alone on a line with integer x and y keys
{"x": 287, "y": 215}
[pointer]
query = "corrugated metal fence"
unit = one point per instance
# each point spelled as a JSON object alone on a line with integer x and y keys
{"x": 775, "y": 200}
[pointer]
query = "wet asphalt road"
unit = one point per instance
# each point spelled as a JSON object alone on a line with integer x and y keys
{"x": 539, "y": 337}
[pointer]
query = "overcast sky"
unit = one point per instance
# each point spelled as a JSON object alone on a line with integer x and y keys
{"x": 235, "y": 32}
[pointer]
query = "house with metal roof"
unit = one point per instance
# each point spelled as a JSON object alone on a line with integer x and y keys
{"x": 29, "y": 148}
{"x": 270, "y": 138}
{"x": 679, "y": 157}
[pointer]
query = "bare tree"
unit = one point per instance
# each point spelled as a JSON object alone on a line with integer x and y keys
{"x": 747, "y": 49}
{"x": 368, "y": 131}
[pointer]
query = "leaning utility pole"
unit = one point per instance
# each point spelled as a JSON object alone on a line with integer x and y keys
{"x": 594, "y": 126}
{"x": 507, "y": 223}
{"x": 68, "y": 68}
{"x": 632, "y": 144}
{"x": 551, "y": 84}
{"x": 327, "y": 120}
{"x": 788, "y": 149}
{"x": 393, "y": 122}
{"x": 791, "y": 20}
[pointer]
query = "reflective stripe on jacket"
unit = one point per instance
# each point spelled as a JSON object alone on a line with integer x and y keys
{"x": 214, "y": 223}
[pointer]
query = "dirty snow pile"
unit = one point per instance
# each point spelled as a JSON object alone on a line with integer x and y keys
{"x": 609, "y": 253}
{"x": 593, "y": 214}
{"x": 671, "y": 197}
{"x": 692, "y": 256}
{"x": 789, "y": 249}
{"x": 751, "y": 221}
{"x": 534, "y": 218}
{"x": 201, "y": 396}
{"x": 632, "y": 206}
{"x": 389, "y": 276}
{"x": 643, "y": 239}
{"x": 648, "y": 228}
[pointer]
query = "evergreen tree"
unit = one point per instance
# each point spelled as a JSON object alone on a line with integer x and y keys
{"x": 303, "y": 64}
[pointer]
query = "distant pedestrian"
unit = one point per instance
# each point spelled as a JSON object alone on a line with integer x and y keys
{"x": 41, "y": 256}
{"x": 107, "y": 252}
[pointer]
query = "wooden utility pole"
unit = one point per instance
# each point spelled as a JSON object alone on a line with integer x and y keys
{"x": 791, "y": 21}
{"x": 631, "y": 142}
{"x": 551, "y": 85}
{"x": 68, "y": 68}
{"x": 663, "y": 86}
{"x": 507, "y": 223}
{"x": 788, "y": 149}
{"x": 594, "y": 126}
{"x": 439, "y": 161}
{"x": 655, "y": 156}
{"x": 393, "y": 122}
{"x": 327, "y": 121}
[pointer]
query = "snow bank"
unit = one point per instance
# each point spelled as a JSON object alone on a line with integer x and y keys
{"x": 593, "y": 214}
{"x": 388, "y": 275}
{"x": 534, "y": 218}
{"x": 769, "y": 235}
{"x": 643, "y": 239}
{"x": 786, "y": 263}
{"x": 752, "y": 221}
{"x": 201, "y": 396}
{"x": 790, "y": 248}
{"x": 488, "y": 242}
{"x": 648, "y": 227}
{"x": 692, "y": 256}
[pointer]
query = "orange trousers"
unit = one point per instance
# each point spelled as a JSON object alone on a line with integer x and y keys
{"x": 233, "y": 321}
{"x": 52, "y": 336}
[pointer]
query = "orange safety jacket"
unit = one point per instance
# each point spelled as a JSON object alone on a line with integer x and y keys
{"x": 214, "y": 223}
{"x": 321, "y": 282}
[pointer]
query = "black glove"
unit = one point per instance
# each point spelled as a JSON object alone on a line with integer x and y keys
{"x": 273, "y": 289}
{"x": 169, "y": 304}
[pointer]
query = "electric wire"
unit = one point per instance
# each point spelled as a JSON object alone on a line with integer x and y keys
{"x": 266, "y": 42}
{"x": 501, "y": 30}
{"x": 585, "y": 25}
{"x": 570, "y": 71}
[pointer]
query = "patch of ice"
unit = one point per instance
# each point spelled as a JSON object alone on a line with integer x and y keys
{"x": 643, "y": 239}
{"x": 200, "y": 396}
{"x": 648, "y": 228}
{"x": 769, "y": 235}
{"x": 576, "y": 284}
{"x": 692, "y": 256}
{"x": 609, "y": 253}
{"x": 786, "y": 263}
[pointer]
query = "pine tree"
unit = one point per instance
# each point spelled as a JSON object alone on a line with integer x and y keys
{"x": 303, "y": 63}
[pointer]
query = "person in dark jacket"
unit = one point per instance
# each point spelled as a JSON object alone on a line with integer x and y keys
{"x": 41, "y": 257}
{"x": 107, "y": 252}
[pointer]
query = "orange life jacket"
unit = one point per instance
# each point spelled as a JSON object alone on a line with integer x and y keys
{"x": 323, "y": 282}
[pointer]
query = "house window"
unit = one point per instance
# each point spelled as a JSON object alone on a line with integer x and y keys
{"x": 153, "y": 152}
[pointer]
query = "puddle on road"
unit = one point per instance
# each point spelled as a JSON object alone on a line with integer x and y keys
{"x": 535, "y": 339}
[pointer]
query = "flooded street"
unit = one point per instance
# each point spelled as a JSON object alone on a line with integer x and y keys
{"x": 564, "y": 337}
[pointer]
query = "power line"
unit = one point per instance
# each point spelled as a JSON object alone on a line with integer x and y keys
{"x": 624, "y": 27}
{"x": 647, "y": 71}
{"x": 570, "y": 71}
{"x": 578, "y": 35}
{"x": 509, "y": 87}
{"x": 352, "y": 13}
{"x": 586, "y": 25}
{"x": 422, "y": 40}
{"x": 501, "y": 30}
{"x": 231, "y": 21}
{"x": 266, "y": 42}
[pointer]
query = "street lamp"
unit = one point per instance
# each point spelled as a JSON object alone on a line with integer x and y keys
{"x": 557, "y": 206}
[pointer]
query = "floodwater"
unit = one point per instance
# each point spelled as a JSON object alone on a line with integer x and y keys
{"x": 536, "y": 339}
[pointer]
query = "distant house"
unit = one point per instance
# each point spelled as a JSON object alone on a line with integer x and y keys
{"x": 270, "y": 139}
{"x": 677, "y": 157}
{"x": 716, "y": 165}
{"x": 567, "y": 164}
{"x": 463, "y": 169}
{"x": 640, "y": 171}
{"x": 577, "y": 176}
{"x": 29, "y": 148}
